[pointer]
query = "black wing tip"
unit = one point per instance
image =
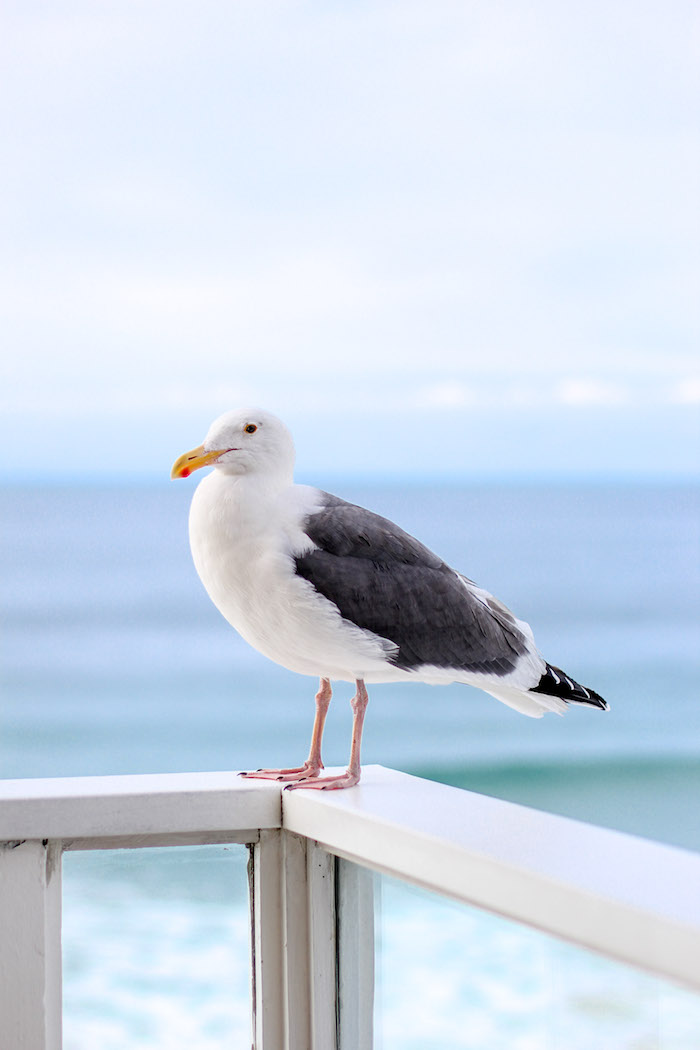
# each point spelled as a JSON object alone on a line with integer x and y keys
{"x": 554, "y": 682}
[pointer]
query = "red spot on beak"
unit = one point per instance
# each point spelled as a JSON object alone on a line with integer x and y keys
{"x": 185, "y": 473}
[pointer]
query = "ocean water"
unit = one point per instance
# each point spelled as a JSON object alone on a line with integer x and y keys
{"x": 113, "y": 660}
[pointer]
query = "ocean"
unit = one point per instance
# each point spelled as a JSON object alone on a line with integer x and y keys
{"x": 113, "y": 660}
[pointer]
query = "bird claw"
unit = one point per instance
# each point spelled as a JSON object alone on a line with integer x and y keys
{"x": 344, "y": 780}
{"x": 296, "y": 773}
{"x": 306, "y": 776}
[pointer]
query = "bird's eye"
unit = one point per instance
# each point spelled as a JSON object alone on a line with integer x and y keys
{"x": 250, "y": 428}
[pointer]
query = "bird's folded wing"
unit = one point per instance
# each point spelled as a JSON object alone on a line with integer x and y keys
{"x": 385, "y": 581}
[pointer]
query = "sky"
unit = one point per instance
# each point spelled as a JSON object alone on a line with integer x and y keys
{"x": 445, "y": 238}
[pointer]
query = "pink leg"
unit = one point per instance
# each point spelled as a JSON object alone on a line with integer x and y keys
{"x": 313, "y": 765}
{"x": 352, "y": 774}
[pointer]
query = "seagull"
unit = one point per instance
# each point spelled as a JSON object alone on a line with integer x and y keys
{"x": 329, "y": 589}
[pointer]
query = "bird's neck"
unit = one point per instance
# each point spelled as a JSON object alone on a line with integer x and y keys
{"x": 244, "y": 503}
{"x": 257, "y": 488}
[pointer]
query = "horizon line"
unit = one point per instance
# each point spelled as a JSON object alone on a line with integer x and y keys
{"x": 96, "y": 479}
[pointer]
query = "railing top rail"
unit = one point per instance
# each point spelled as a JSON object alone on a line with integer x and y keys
{"x": 153, "y": 804}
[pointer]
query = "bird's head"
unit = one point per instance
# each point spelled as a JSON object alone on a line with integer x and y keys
{"x": 245, "y": 441}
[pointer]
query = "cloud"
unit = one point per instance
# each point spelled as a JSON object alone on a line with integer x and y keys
{"x": 687, "y": 392}
{"x": 449, "y": 395}
{"x": 590, "y": 392}
{"x": 322, "y": 394}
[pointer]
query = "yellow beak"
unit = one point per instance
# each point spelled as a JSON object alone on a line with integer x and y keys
{"x": 189, "y": 461}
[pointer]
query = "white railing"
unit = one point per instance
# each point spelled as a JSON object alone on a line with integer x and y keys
{"x": 627, "y": 898}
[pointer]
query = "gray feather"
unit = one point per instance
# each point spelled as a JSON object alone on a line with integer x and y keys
{"x": 385, "y": 581}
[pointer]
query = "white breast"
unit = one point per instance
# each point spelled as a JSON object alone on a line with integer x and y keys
{"x": 243, "y": 540}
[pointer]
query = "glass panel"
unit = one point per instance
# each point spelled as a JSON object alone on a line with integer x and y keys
{"x": 156, "y": 949}
{"x": 448, "y": 975}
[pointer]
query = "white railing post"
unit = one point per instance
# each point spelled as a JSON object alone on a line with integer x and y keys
{"x": 295, "y": 944}
{"x": 355, "y": 903}
{"x": 294, "y": 949}
{"x": 321, "y": 896}
{"x": 30, "y": 945}
{"x": 267, "y": 942}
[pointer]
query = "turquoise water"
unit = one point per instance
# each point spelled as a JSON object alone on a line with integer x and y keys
{"x": 113, "y": 660}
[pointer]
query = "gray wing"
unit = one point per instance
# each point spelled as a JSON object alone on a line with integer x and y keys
{"x": 385, "y": 581}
